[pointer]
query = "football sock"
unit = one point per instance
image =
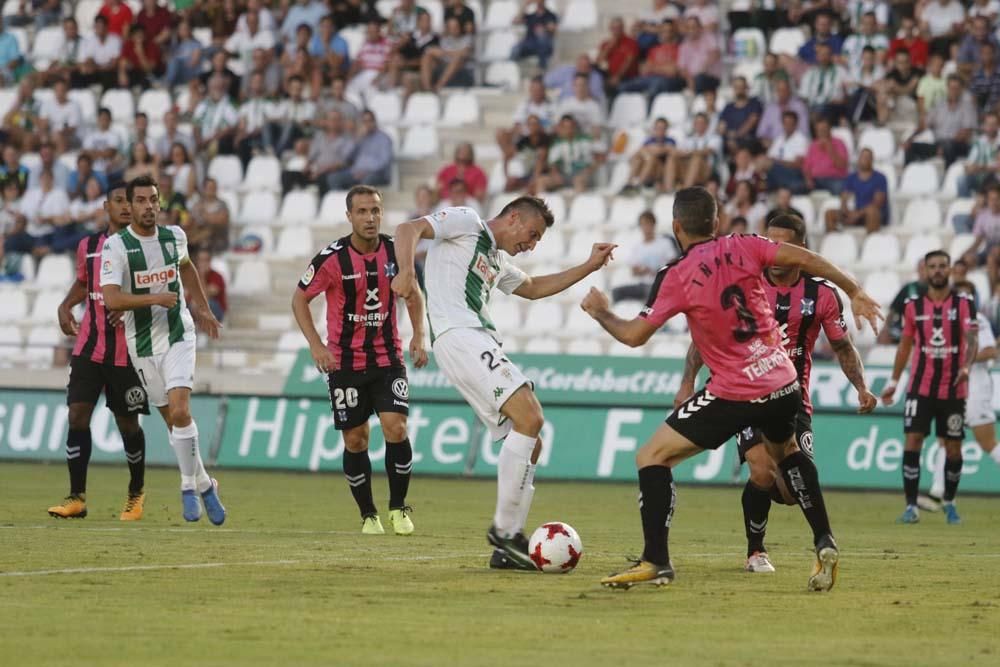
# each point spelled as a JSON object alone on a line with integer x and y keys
{"x": 398, "y": 465}
{"x": 657, "y": 496}
{"x": 358, "y": 471}
{"x": 911, "y": 476}
{"x": 802, "y": 478}
{"x": 937, "y": 485}
{"x": 513, "y": 466}
{"x": 135, "y": 454}
{"x": 184, "y": 440}
{"x": 78, "y": 448}
{"x": 756, "y": 505}
{"x": 527, "y": 494}
{"x": 952, "y": 475}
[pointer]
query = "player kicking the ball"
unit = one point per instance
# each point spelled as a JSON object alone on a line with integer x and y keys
{"x": 464, "y": 264}
{"x": 802, "y": 305}
{"x": 363, "y": 358}
{"x": 145, "y": 271}
{"x": 718, "y": 284}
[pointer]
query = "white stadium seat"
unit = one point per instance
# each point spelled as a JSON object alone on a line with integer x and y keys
{"x": 625, "y": 211}
{"x": 41, "y": 345}
{"x": 333, "y": 209}
{"x": 949, "y": 187}
{"x": 421, "y": 109}
{"x": 295, "y": 242}
{"x": 550, "y": 250}
{"x": 502, "y": 74}
{"x": 847, "y": 136}
{"x": 920, "y": 245}
{"x": 155, "y": 103}
{"x": 253, "y": 277}
{"x": 421, "y": 141}
{"x": 259, "y": 208}
{"x": 386, "y": 106}
{"x": 505, "y": 311}
{"x": 461, "y": 109}
{"x": 919, "y": 179}
{"x": 48, "y": 44}
{"x": 787, "y": 41}
{"x": 266, "y": 236}
{"x": 880, "y": 249}
{"x": 669, "y": 349}
{"x": 578, "y": 15}
{"x": 922, "y": 215}
{"x": 8, "y": 98}
{"x": 628, "y": 110}
{"x": 227, "y": 170}
{"x": 299, "y": 207}
{"x": 10, "y": 345}
{"x": 880, "y": 141}
{"x": 500, "y": 14}
{"x": 45, "y": 306}
{"x": 13, "y": 305}
{"x": 121, "y": 105}
{"x": 55, "y": 271}
{"x": 840, "y": 248}
{"x": 355, "y": 38}
{"x": 958, "y": 207}
{"x": 960, "y": 245}
{"x": 579, "y": 324}
{"x": 575, "y": 293}
{"x": 542, "y": 345}
{"x": 620, "y": 172}
{"x": 587, "y": 209}
{"x": 556, "y": 204}
{"x": 263, "y": 172}
{"x": 981, "y": 281}
{"x": 88, "y": 105}
{"x": 748, "y": 44}
{"x": 585, "y": 346}
{"x": 616, "y": 349}
{"x": 882, "y": 285}
{"x": 499, "y": 44}
{"x": 543, "y": 317}
{"x": 663, "y": 209}
{"x": 672, "y": 106}
{"x": 85, "y": 13}
{"x": 804, "y": 205}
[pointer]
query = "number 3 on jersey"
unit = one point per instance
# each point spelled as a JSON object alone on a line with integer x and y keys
{"x": 345, "y": 398}
{"x": 733, "y": 297}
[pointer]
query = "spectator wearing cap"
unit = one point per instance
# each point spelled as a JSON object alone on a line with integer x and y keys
{"x": 771, "y": 121}
{"x": 982, "y": 166}
{"x": 372, "y": 160}
{"x": 463, "y": 168}
{"x": 659, "y": 72}
{"x": 588, "y": 112}
{"x": 826, "y": 161}
{"x": 618, "y": 55}
{"x": 443, "y": 64}
{"x": 824, "y": 85}
{"x": 785, "y": 156}
{"x": 539, "y": 32}
{"x": 968, "y": 50}
{"x": 738, "y": 120}
{"x": 699, "y": 57}
{"x": 864, "y": 201}
{"x": 953, "y": 122}
{"x": 99, "y": 53}
{"x": 562, "y": 77}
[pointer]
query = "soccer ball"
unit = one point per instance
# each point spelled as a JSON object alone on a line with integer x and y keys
{"x": 555, "y": 547}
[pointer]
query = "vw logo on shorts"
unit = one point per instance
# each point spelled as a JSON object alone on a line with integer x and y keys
{"x": 806, "y": 443}
{"x": 135, "y": 397}
{"x": 955, "y": 423}
{"x": 400, "y": 388}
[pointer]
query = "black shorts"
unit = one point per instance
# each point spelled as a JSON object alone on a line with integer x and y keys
{"x": 709, "y": 421}
{"x": 948, "y": 415}
{"x": 123, "y": 391}
{"x": 750, "y": 437}
{"x": 356, "y": 395}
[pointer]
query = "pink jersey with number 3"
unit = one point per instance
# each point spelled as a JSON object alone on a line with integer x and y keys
{"x": 718, "y": 284}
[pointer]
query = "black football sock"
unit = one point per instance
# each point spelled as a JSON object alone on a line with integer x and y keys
{"x": 657, "y": 496}
{"x": 952, "y": 476}
{"x": 358, "y": 471}
{"x": 756, "y": 506}
{"x": 911, "y": 476}
{"x": 135, "y": 454}
{"x": 802, "y": 479}
{"x": 78, "y": 448}
{"x": 398, "y": 465}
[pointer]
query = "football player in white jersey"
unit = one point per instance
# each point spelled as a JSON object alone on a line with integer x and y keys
{"x": 466, "y": 260}
{"x": 145, "y": 270}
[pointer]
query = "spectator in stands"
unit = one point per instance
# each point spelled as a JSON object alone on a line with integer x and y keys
{"x": 458, "y": 195}
{"x": 909, "y": 40}
{"x": 68, "y": 54}
{"x": 209, "y": 219}
{"x": 646, "y": 166}
{"x": 77, "y": 181}
{"x": 290, "y": 119}
{"x": 868, "y": 35}
{"x": 139, "y": 132}
{"x": 896, "y": 94}
{"x": 253, "y": 117}
{"x": 60, "y": 118}
{"x": 409, "y": 52}
{"x": 988, "y": 8}
{"x": 141, "y": 60}
{"x": 744, "y": 169}
{"x": 618, "y": 56}
{"x": 864, "y": 201}
{"x": 588, "y": 112}
{"x": 645, "y": 260}
{"x": 699, "y": 57}
{"x": 737, "y": 225}
{"x": 943, "y": 21}
{"x": 783, "y": 206}
{"x": 244, "y": 43}
{"x": 372, "y": 159}
{"x": 459, "y": 10}
{"x": 441, "y": 64}
{"x": 708, "y": 104}
{"x": 953, "y": 122}
{"x": 659, "y": 72}
{"x": 20, "y": 120}
{"x": 826, "y": 161}
{"x": 41, "y": 13}
{"x": 330, "y": 54}
{"x": 171, "y": 135}
{"x": 264, "y": 14}
{"x": 371, "y": 63}
{"x": 118, "y": 15}
{"x": 215, "y": 120}
{"x": 353, "y": 12}
{"x": 99, "y": 53}
{"x": 985, "y": 84}
{"x": 219, "y": 66}
{"x": 60, "y": 172}
{"x": 88, "y": 212}
{"x": 330, "y": 151}
{"x": 646, "y": 29}
{"x": 157, "y": 22}
{"x": 49, "y": 228}
{"x": 763, "y": 88}
{"x": 562, "y": 78}
{"x": 744, "y": 204}
{"x": 267, "y": 66}
{"x": 531, "y": 150}
{"x": 822, "y": 34}
{"x": 695, "y": 158}
{"x": 296, "y": 61}
{"x": 706, "y": 11}
{"x": 785, "y": 157}
{"x": 982, "y": 165}
{"x": 893, "y": 329}
{"x": 336, "y": 101}
{"x": 824, "y": 85}
{"x": 539, "y": 33}
{"x": 537, "y": 104}
{"x": 862, "y": 105}
{"x": 181, "y": 171}
{"x": 185, "y": 52}
{"x": 968, "y": 51}
{"x": 960, "y": 273}
{"x": 985, "y": 248}
{"x": 141, "y": 163}
{"x": 12, "y": 171}
{"x": 403, "y": 19}
{"x": 738, "y": 120}
{"x": 104, "y": 146}
{"x": 11, "y": 57}
{"x": 573, "y": 158}
{"x": 303, "y": 12}
{"x": 771, "y": 121}
{"x": 463, "y": 168}
{"x": 215, "y": 284}
{"x": 932, "y": 86}
{"x": 173, "y": 205}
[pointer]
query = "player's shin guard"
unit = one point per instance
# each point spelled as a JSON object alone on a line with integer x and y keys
{"x": 398, "y": 466}
{"x": 657, "y": 497}
{"x": 135, "y": 454}
{"x": 78, "y": 447}
{"x": 513, "y": 469}
{"x": 358, "y": 471}
{"x": 952, "y": 475}
{"x": 802, "y": 478}
{"x": 184, "y": 440}
{"x": 756, "y": 506}
{"x": 911, "y": 477}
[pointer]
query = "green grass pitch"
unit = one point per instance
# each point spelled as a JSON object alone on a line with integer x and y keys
{"x": 289, "y": 580}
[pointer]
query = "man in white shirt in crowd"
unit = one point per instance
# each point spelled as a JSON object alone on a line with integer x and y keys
{"x": 245, "y": 43}
{"x": 171, "y": 135}
{"x": 588, "y": 112}
{"x": 98, "y": 57}
{"x": 43, "y": 218}
{"x": 104, "y": 146}
{"x": 253, "y": 118}
{"x": 695, "y": 157}
{"x": 783, "y": 163}
{"x": 645, "y": 259}
{"x": 215, "y": 119}
{"x": 60, "y": 118}
{"x": 290, "y": 118}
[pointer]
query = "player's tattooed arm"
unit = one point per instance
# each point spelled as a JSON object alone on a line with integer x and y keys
{"x": 692, "y": 364}
{"x": 854, "y": 369}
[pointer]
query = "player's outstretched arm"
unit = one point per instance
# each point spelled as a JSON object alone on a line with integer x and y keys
{"x": 902, "y": 356}
{"x": 202, "y": 313}
{"x": 863, "y": 306}
{"x": 406, "y": 238}
{"x": 539, "y": 287}
{"x": 692, "y": 364}
{"x": 634, "y": 332}
{"x": 854, "y": 369}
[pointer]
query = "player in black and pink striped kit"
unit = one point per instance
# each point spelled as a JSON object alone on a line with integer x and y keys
{"x": 100, "y": 363}
{"x": 940, "y": 329}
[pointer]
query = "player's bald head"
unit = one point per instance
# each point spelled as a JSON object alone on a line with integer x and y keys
{"x": 695, "y": 211}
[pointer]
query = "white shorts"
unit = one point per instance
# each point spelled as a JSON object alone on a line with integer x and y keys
{"x": 163, "y": 372}
{"x": 979, "y": 404}
{"x": 474, "y": 363}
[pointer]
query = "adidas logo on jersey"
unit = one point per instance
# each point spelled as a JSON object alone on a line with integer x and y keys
{"x": 151, "y": 277}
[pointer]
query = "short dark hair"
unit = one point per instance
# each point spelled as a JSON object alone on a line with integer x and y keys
{"x": 118, "y": 185}
{"x": 647, "y": 216}
{"x": 937, "y": 253}
{"x": 789, "y": 221}
{"x": 792, "y": 114}
{"x": 100, "y": 18}
{"x": 140, "y": 182}
{"x": 956, "y": 78}
{"x": 531, "y": 205}
{"x": 695, "y": 209}
{"x": 103, "y": 110}
{"x": 361, "y": 190}
{"x": 738, "y": 220}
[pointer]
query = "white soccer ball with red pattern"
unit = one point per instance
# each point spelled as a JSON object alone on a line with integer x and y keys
{"x": 555, "y": 547}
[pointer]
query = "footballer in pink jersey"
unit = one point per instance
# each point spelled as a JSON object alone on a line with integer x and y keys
{"x": 803, "y": 305}
{"x": 718, "y": 284}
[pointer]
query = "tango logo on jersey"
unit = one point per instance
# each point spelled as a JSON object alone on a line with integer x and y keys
{"x": 151, "y": 277}
{"x": 808, "y": 307}
{"x": 482, "y": 268}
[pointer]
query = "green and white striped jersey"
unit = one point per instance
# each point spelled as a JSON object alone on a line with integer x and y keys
{"x": 463, "y": 266}
{"x": 149, "y": 265}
